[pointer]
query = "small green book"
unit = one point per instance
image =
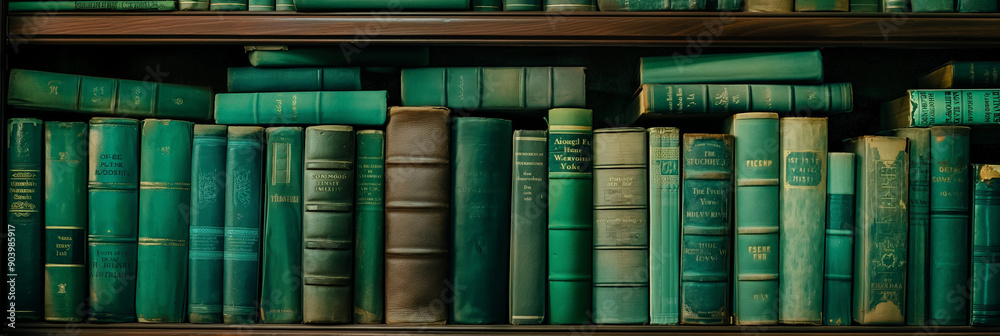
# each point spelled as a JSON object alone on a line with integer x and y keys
{"x": 261, "y": 5}
{"x": 839, "y": 261}
{"x": 280, "y": 297}
{"x": 919, "y": 140}
{"x": 24, "y": 213}
{"x": 301, "y": 108}
{"x": 369, "y": 235}
{"x": 633, "y": 5}
{"x": 487, "y": 5}
{"x": 193, "y": 5}
{"x": 985, "y": 245}
{"x": 65, "y": 222}
{"x": 664, "y": 224}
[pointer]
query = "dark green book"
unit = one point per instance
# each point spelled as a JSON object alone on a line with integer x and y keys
{"x": 24, "y": 213}
{"x": 113, "y": 188}
{"x": 281, "y": 269}
{"x": 529, "y": 201}
{"x": 948, "y": 247}
{"x": 65, "y": 224}
{"x": 962, "y": 75}
{"x": 522, "y": 5}
{"x": 241, "y": 242}
{"x": 487, "y": 5}
{"x": 938, "y": 107}
{"x": 985, "y": 245}
{"x": 164, "y": 198}
{"x": 261, "y": 5}
{"x": 769, "y": 67}
{"x": 822, "y": 5}
{"x": 570, "y": 5}
{"x": 837, "y": 273}
{"x": 91, "y": 5}
{"x": 301, "y": 108}
{"x": 664, "y": 224}
{"x": 932, "y": 6}
{"x": 499, "y": 88}
{"x": 208, "y": 219}
{"x": 919, "y": 204}
{"x": 328, "y": 225}
{"x": 346, "y": 55}
{"x": 369, "y": 235}
{"x": 866, "y": 6}
{"x": 633, "y": 5}
{"x": 480, "y": 212}
{"x": 229, "y": 5}
{"x": 621, "y": 226}
{"x": 722, "y": 99}
{"x": 250, "y": 79}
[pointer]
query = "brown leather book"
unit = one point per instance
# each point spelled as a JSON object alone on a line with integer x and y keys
{"x": 417, "y": 190}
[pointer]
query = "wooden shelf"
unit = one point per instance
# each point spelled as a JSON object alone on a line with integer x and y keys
{"x": 692, "y": 29}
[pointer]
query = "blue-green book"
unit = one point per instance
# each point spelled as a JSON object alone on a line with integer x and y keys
{"x": 65, "y": 220}
{"x": 301, "y": 108}
{"x": 837, "y": 276}
{"x": 919, "y": 205}
{"x": 229, "y": 5}
{"x": 948, "y": 247}
{"x": 985, "y": 245}
{"x": 24, "y": 213}
{"x": 281, "y": 268}
{"x": 260, "y": 5}
{"x": 241, "y": 242}
{"x": 770, "y": 67}
{"x": 251, "y": 79}
{"x": 664, "y": 224}
{"x": 529, "y": 201}
{"x": 932, "y": 6}
{"x": 369, "y": 233}
{"x": 208, "y": 218}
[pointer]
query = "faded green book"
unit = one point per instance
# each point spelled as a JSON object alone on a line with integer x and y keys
{"x": 932, "y": 6}
{"x": 494, "y": 88}
{"x": 241, "y": 242}
{"x": 229, "y": 5}
{"x": 570, "y": 5}
{"x": 487, "y": 5}
{"x": 664, "y": 224}
{"x": 838, "y": 273}
{"x": 369, "y": 233}
{"x": 208, "y": 219}
{"x": 281, "y": 268}
{"x": 301, "y": 108}
{"x": 65, "y": 224}
{"x": 522, "y": 5}
{"x": 948, "y": 246}
{"x": 822, "y": 5}
{"x": 919, "y": 206}
{"x": 770, "y": 6}
{"x": 24, "y": 213}
{"x": 769, "y": 67}
{"x": 250, "y": 79}
{"x": 261, "y": 5}
{"x": 529, "y": 221}
{"x": 193, "y": 5}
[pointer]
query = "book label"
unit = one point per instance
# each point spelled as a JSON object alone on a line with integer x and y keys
{"x": 570, "y": 153}
{"x": 803, "y": 169}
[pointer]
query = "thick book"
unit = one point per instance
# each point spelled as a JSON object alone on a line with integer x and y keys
{"x": 962, "y": 75}
{"x": 487, "y": 5}
{"x": 985, "y": 245}
{"x": 50, "y": 91}
{"x": 383, "y": 5}
{"x": 633, "y": 6}
{"x": 529, "y": 222}
{"x": 938, "y": 107}
{"x": 932, "y": 6}
{"x": 346, "y": 55}
{"x": 24, "y": 213}
{"x": 281, "y": 267}
{"x": 570, "y": 5}
{"x": 706, "y": 225}
{"x": 417, "y": 200}
{"x": 702, "y": 99}
{"x": 919, "y": 206}
{"x": 664, "y": 224}
{"x": 977, "y": 6}
{"x": 229, "y": 5}
{"x": 164, "y": 198}
{"x": 487, "y": 88}
{"x": 881, "y": 188}
{"x": 757, "y": 209}
{"x": 112, "y": 241}
{"x": 770, "y": 67}
{"x": 621, "y": 226}
{"x": 250, "y": 79}
{"x": 208, "y": 219}
{"x": 770, "y": 6}
{"x": 193, "y": 5}
{"x": 241, "y": 242}
{"x": 803, "y": 209}
{"x": 301, "y": 108}
{"x": 822, "y": 5}
{"x": 328, "y": 224}
{"x": 571, "y": 218}
{"x": 948, "y": 247}
{"x": 480, "y": 218}
{"x": 522, "y": 5}
{"x": 838, "y": 271}
{"x": 91, "y": 5}
{"x": 65, "y": 224}
{"x": 866, "y": 6}
{"x": 369, "y": 233}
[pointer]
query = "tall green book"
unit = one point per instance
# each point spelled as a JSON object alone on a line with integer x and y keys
{"x": 571, "y": 220}
{"x": 241, "y": 242}
{"x": 301, "y": 108}
{"x": 621, "y": 226}
{"x": 208, "y": 219}
{"x": 250, "y": 79}
{"x": 948, "y": 248}
{"x": 839, "y": 239}
{"x": 529, "y": 220}
{"x": 328, "y": 224}
{"x": 369, "y": 233}
{"x": 65, "y": 223}
{"x": 918, "y": 205}
{"x": 480, "y": 212}
{"x": 822, "y": 5}
{"x": 281, "y": 269}
{"x": 570, "y": 5}
{"x": 113, "y": 188}
{"x": 962, "y": 75}
{"x": 706, "y": 225}
{"x": 769, "y": 67}
{"x": 494, "y": 88}
{"x": 664, "y": 224}
{"x": 803, "y": 209}
{"x": 24, "y": 213}
{"x": 985, "y": 245}
{"x": 881, "y": 187}
{"x": 938, "y": 107}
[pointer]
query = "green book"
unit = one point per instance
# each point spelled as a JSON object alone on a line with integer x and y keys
{"x": 881, "y": 184}
{"x": 346, "y": 55}
{"x": 691, "y": 5}
{"x": 284, "y": 5}
{"x": 229, "y": 5}
{"x": 208, "y": 219}
{"x": 919, "y": 204}
{"x": 803, "y": 208}
{"x": 301, "y": 108}
{"x": 664, "y": 224}
{"x": 49, "y": 91}
{"x": 65, "y": 224}
{"x": 487, "y": 5}
{"x": 839, "y": 239}
{"x": 570, "y": 5}
{"x": 480, "y": 212}
{"x": 770, "y": 67}
{"x": 113, "y": 188}
{"x": 24, "y": 214}
{"x": 250, "y": 79}
{"x": 261, "y": 5}
{"x": 728, "y": 5}
{"x": 522, "y": 5}
{"x": 729, "y": 99}
{"x": 335, "y": 5}
{"x": 499, "y": 88}
{"x": 328, "y": 225}
{"x": 369, "y": 235}
{"x": 529, "y": 222}
{"x": 866, "y": 6}
{"x": 948, "y": 248}
{"x": 571, "y": 221}
{"x": 757, "y": 211}
{"x": 822, "y": 5}
{"x": 241, "y": 242}
{"x": 633, "y": 5}
{"x": 193, "y": 5}
{"x": 962, "y": 75}
{"x": 164, "y": 200}
{"x": 770, "y": 6}
{"x": 281, "y": 268}
{"x": 933, "y": 6}
{"x": 938, "y": 107}
{"x": 985, "y": 245}
{"x": 895, "y": 6}
{"x": 91, "y": 5}
{"x": 621, "y": 226}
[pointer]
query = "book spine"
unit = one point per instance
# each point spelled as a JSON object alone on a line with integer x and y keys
{"x": 229, "y": 5}
{"x": 730, "y": 99}
{"x": 664, "y": 224}
{"x": 193, "y": 5}
{"x": 948, "y": 248}
{"x": 474, "y": 88}
{"x": 208, "y": 219}
{"x": 65, "y": 222}
{"x": 769, "y": 6}
{"x": 803, "y": 204}
{"x": 260, "y": 5}
{"x": 250, "y": 79}
{"x": 369, "y": 251}
{"x": 113, "y": 188}
{"x": 24, "y": 214}
{"x": 866, "y": 6}
{"x": 528, "y": 227}
{"x": 934, "y": 6}
{"x": 301, "y": 108}
{"x": 900, "y": 6}
{"x": 729, "y": 5}
{"x": 570, "y": 5}
{"x": 241, "y": 242}
{"x": 54, "y": 6}
{"x": 487, "y": 5}
{"x": 977, "y": 6}
{"x": 280, "y": 286}
{"x": 985, "y": 245}
{"x": 690, "y": 5}
{"x": 522, "y": 5}
{"x": 770, "y": 67}
{"x": 839, "y": 239}
{"x": 975, "y": 74}
{"x": 822, "y": 5}
{"x": 919, "y": 202}
{"x": 284, "y": 5}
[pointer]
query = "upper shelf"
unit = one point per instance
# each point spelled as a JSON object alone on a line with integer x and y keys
{"x": 684, "y": 29}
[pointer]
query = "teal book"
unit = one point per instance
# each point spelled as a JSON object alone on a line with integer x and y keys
{"x": 919, "y": 206}
{"x": 838, "y": 272}
{"x": 803, "y": 208}
{"x": 881, "y": 188}
{"x": 284, "y": 5}
{"x": 932, "y": 6}
{"x": 823, "y": 5}
{"x": 261, "y": 5}
{"x": 340, "y": 57}
{"x": 91, "y": 5}
{"x": 529, "y": 221}
{"x": 281, "y": 267}
{"x": 756, "y": 266}
{"x": 895, "y": 6}
{"x": 480, "y": 213}
{"x": 571, "y": 218}
{"x": 250, "y": 79}
{"x": 193, "y": 5}
{"x": 725, "y": 99}
{"x": 866, "y": 6}
{"x": 962, "y": 75}
{"x": 241, "y": 238}
{"x": 728, "y": 6}
{"x": 706, "y": 225}
{"x": 49, "y": 91}
{"x": 621, "y": 226}
{"x": 570, "y": 5}
{"x": 633, "y": 5}
{"x": 65, "y": 224}
{"x": 769, "y": 67}
{"x": 164, "y": 215}
{"x": 522, "y": 5}
{"x": 229, "y": 5}
{"x": 494, "y": 88}
{"x": 487, "y": 5}
{"x": 985, "y": 245}
{"x": 383, "y": 5}
{"x": 208, "y": 219}
{"x": 948, "y": 248}
{"x": 369, "y": 233}
{"x": 939, "y": 107}
{"x": 24, "y": 214}
{"x": 301, "y": 108}
{"x": 689, "y": 5}
{"x": 112, "y": 241}
{"x": 328, "y": 224}
{"x": 664, "y": 224}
